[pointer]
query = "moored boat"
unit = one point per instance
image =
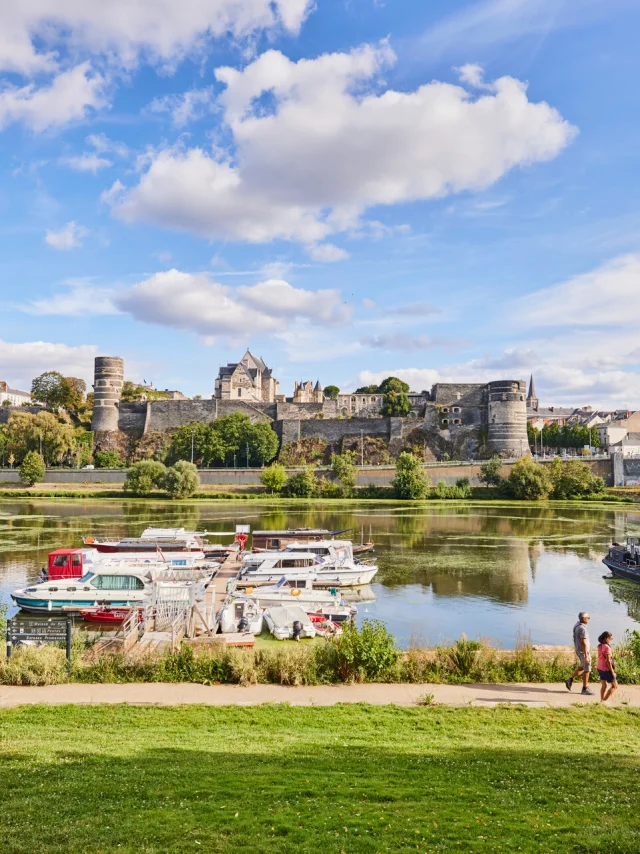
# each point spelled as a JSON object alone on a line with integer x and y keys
{"x": 624, "y": 560}
{"x": 289, "y": 623}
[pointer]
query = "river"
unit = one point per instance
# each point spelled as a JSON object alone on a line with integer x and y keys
{"x": 499, "y": 572}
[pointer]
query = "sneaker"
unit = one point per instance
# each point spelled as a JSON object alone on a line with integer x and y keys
{"x": 586, "y": 691}
{"x": 569, "y": 683}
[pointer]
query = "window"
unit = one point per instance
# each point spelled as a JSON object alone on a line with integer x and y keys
{"x": 117, "y": 582}
{"x": 445, "y": 422}
{"x": 274, "y": 544}
{"x": 457, "y": 421}
{"x": 456, "y": 409}
{"x": 60, "y": 560}
{"x": 445, "y": 408}
{"x": 239, "y": 392}
{"x": 76, "y": 560}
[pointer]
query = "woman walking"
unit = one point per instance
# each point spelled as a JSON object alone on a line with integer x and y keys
{"x": 606, "y": 667}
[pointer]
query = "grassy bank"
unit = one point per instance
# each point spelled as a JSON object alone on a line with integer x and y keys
{"x": 355, "y": 779}
{"x": 365, "y": 655}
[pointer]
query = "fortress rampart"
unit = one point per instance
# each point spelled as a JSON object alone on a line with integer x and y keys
{"x": 461, "y": 420}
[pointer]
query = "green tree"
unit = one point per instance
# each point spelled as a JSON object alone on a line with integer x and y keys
{"x": 145, "y": 476}
{"x": 181, "y": 480}
{"x": 207, "y": 446}
{"x": 393, "y": 384}
{"x": 32, "y": 469}
{"x": 573, "y": 479}
{"x": 263, "y": 442}
{"x": 332, "y": 392}
{"x": 529, "y": 481}
{"x": 490, "y": 471}
{"x": 49, "y": 389}
{"x": 303, "y": 484}
{"x": 367, "y": 389}
{"x": 344, "y": 469}
{"x": 134, "y": 393}
{"x": 7, "y": 403}
{"x": 396, "y": 403}
{"x": 27, "y": 432}
{"x": 594, "y": 439}
{"x": 410, "y": 481}
{"x": 108, "y": 460}
{"x": 274, "y": 477}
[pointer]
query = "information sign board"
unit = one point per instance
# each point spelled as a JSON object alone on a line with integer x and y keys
{"x": 39, "y": 631}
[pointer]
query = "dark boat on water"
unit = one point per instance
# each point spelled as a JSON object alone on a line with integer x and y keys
{"x": 624, "y": 560}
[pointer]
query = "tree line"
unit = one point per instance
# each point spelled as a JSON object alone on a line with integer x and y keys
{"x": 568, "y": 436}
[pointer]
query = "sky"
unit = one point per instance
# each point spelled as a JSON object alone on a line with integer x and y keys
{"x": 442, "y": 190}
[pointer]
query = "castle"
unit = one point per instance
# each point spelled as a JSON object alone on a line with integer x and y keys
{"x": 461, "y": 420}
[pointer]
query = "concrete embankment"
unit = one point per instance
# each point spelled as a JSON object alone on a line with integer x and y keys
{"x": 161, "y": 694}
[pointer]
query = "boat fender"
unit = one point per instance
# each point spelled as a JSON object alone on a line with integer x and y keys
{"x": 249, "y": 591}
{"x": 89, "y": 540}
{"x": 297, "y": 630}
{"x": 295, "y": 592}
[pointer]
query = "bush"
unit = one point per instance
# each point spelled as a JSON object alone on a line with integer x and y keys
{"x": 328, "y": 489}
{"x": 107, "y": 460}
{"x": 145, "y": 476}
{"x": 460, "y": 491}
{"x": 274, "y": 477}
{"x": 344, "y": 469}
{"x": 181, "y": 480}
{"x": 32, "y": 469}
{"x": 490, "y": 472}
{"x": 301, "y": 485}
{"x": 410, "y": 481}
{"x": 529, "y": 481}
{"x": 367, "y": 653}
{"x": 573, "y": 479}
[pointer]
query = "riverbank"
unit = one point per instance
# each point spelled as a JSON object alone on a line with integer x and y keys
{"x": 359, "y": 779}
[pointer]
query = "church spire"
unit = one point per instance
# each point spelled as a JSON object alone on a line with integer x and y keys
{"x": 532, "y": 397}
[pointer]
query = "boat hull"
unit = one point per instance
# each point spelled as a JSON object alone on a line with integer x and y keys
{"x": 622, "y": 571}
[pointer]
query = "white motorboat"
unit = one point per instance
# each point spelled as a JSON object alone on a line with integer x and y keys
{"x": 311, "y": 599}
{"x": 114, "y": 583}
{"x": 289, "y": 622}
{"x": 269, "y": 567}
{"x": 241, "y": 614}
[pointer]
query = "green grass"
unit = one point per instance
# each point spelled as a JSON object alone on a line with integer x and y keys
{"x": 274, "y": 779}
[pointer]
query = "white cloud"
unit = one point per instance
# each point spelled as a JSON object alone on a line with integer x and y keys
{"x": 471, "y": 74}
{"x": 69, "y": 237}
{"x": 186, "y": 107}
{"x": 195, "y": 303}
{"x": 330, "y": 146}
{"x": 327, "y": 253}
{"x": 608, "y": 296}
{"x": 161, "y": 30}
{"x": 403, "y": 341}
{"x": 68, "y": 98}
{"x": 82, "y": 299}
{"x": 21, "y": 362}
{"x": 86, "y": 162}
{"x": 104, "y": 145}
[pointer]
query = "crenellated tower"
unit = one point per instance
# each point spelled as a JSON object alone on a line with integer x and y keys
{"x": 507, "y": 418}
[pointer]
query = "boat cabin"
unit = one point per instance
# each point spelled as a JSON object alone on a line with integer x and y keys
{"x": 65, "y": 563}
{"x": 279, "y": 539}
{"x": 339, "y": 550}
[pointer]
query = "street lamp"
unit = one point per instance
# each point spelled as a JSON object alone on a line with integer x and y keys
{"x": 193, "y": 433}
{"x": 234, "y": 460}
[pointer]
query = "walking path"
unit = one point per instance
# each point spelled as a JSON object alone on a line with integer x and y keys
{"x": 163, "y": 694}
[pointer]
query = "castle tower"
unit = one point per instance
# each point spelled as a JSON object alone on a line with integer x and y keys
{"x": 507, "y": 418}
{"x": 532, "y": 397}
{"x": 107, "y": 387}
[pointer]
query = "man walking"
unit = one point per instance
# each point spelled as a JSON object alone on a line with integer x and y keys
{"x": 581, "y": 644}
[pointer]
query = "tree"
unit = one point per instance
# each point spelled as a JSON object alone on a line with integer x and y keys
{"x": 108, "y": 460}
{"x": 343, "y": 466}
{"x": 27, "y": 432}
{"x": 529, "y": 480}
{"x": 410, "y": 481}
{"x": 366, "y": 389}
{"x": 145, "y": 476}
{"x": 49, "y": 389}
{"x": 274, "y": 477}
{"x": 7, "y": 403}
{"x": 73, "y": 391}
{"x": 573, "y": 479}
{"x": 181, "y": 480}
{"x": 262, "y": 441}
{"x": 304, "y": 484}
{"x": 332, "y": 392}
{"x": 396, "y": 403}
{"x": 32, "y": 469}
{"x": 198, "y": 436}
{"x": 490, "y": 471}
{"x": 393, "y": 384}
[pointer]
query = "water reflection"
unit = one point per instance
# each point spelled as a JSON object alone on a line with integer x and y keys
{"x": 492, "y": 571}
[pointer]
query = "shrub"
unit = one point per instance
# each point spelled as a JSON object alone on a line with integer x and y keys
{"x": 459, "y": 491}
{"x": 366, "y": 653}
{"x": 301, "y": 485}
{"x": 181, "y": 480}
{"x": 328, "y": 489}
{"x": 529, "y": 481}
{"x": 573, "y": 479}
{"x": 274, "y": 477}
{"x": 490, "y": 472}
{"x": 107, "y": 460}
{"x": 344, "y": 469}
{"x": 410, "y": 481}
{"x": 32, "y": 469}
{"x": 145, "y": 476}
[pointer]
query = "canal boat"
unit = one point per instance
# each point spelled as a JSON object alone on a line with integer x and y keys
{"x": 278, "y": 539}
{"x": 289, "y": 623}
{"x": 624, "y": 560}
{"x": 300, "y": 566}
{"x": 165, "y": 540}
{"x": 74, "y": 563}
{"x": 327, "y": 602}
{"x": 113, "y": 584}
{"x": 241, "y": 614}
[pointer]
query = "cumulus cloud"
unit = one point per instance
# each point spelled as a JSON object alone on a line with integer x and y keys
{"x": 81, "y": 299}
{"x": 196, "y": 303}
{"x": 327, "y": 253}
{"x": 186, "y": 107}
{"x": 316, "y": 144}
{"x": 21, "y": 362}
{"x": 69, "y": 237}
{"x": 160, "y": 30}
{"x": 69, "y": 96}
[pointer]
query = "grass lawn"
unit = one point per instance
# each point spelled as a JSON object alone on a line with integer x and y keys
{"x": 304, "y": 780}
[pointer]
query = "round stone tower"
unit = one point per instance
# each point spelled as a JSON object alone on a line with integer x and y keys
{"x": 507, "y": 418}
{"x": 107, "y": 387}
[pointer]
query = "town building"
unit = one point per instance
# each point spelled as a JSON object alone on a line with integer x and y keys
{"x": 249, "y": 380}
{"x": 306, "y": 392}
{"x": 13, "y": 395}
{"x": 629, "y": 446}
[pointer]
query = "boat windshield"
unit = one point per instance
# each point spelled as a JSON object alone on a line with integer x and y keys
{"x": 86, "y": 578}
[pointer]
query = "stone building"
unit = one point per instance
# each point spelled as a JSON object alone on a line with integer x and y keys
{"x": 306, "y": 392}
{"x": 249, "y": 379}
{"x": 13, "y": 395}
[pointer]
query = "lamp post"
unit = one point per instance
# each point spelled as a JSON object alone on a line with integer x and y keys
{"x": 362, "y": 447}
{"x": 234, "y": 461}
{"x": 247, "y": 455}
{"x": 193, "y": 433}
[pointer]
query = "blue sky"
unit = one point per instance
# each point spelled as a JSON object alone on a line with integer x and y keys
{"x": 445, "y": 191}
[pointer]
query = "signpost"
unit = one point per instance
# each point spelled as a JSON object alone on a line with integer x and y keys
{"x": 40, "y": 631}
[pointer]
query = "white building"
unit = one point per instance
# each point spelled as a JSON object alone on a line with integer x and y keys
{"x": 13, "y": 395}
{"x": 628, "y": 447}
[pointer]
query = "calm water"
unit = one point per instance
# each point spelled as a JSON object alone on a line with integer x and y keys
{"x": 493, "y": 572}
